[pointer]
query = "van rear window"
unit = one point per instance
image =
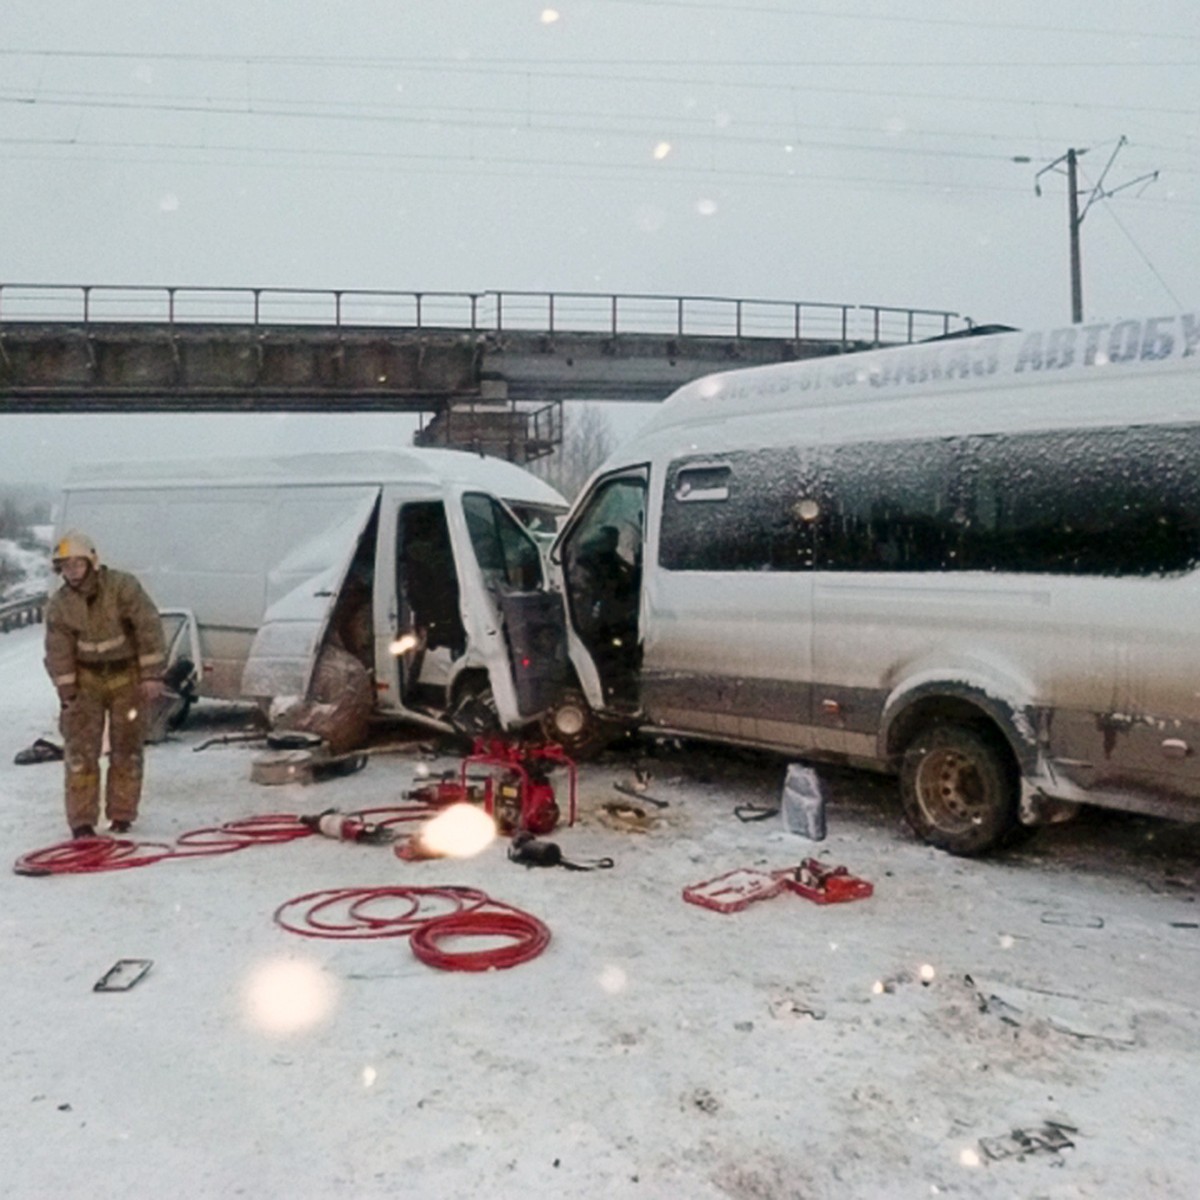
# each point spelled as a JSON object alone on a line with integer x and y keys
{"x": 1083, "y": 502}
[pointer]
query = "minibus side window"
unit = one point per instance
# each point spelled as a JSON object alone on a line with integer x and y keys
{"x": 1115, "y": 502}
{"x": 891, "y": 507}
{"x": 507, "y": 555}
{"x": 739, "y": 511}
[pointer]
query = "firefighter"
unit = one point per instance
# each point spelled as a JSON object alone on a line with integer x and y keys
{"x": 105, "y": 656}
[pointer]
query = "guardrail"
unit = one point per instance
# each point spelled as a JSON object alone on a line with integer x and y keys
{"x": 477, "y": 312}
{"x": 27, "y": 611}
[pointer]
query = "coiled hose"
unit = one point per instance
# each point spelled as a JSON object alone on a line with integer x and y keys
{"x": 423, "y": 917}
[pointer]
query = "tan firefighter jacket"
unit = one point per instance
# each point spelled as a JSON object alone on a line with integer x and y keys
{"x": 110, "y": 619}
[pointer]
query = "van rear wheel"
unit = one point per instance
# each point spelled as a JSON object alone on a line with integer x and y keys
{"x": 959, "y": 789}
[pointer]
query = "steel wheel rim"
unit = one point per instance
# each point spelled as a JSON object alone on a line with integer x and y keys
{"x": 951, "y": 791}
{"x": 570, "y": 720}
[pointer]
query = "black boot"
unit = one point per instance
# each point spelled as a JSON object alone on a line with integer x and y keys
{"x": 83, "y": 831}
{"x": 120, "y": 826}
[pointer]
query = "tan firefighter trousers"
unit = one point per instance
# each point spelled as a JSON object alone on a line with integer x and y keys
{"x": 105, "y": 693}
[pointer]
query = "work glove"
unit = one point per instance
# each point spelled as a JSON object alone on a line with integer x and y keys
{"x": 67, "y": 693}
{"x": 151, "y": 690}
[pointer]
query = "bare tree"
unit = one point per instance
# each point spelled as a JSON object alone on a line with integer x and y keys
{"x": 587, "y": 441}
{"x": 21, "y": 507}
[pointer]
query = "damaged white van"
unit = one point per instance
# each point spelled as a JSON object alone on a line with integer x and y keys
{"x": 971, "y": 562}
{"x": 413, "y": 562}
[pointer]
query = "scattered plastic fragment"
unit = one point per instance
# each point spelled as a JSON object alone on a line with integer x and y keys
{"x": 1051, "y": 1137}
{"x": 1076, "y": 922}
{"x": 122, "y": 975}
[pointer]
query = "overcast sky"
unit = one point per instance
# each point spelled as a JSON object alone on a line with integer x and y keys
{"x": 859, "y": 152}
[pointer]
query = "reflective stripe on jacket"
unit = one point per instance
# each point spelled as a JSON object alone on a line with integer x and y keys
{"x": 110, "y": 619}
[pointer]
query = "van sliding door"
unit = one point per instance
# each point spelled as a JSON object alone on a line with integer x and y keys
{"x": 728, "y": 646}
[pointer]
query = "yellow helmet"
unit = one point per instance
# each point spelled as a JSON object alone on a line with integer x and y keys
{"x": 74, "y": 544}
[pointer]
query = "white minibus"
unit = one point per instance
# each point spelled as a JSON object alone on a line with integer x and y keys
{"x": 971, "y": 562}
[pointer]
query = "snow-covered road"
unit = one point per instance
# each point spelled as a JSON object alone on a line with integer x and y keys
{"x": 655, "y": 1050}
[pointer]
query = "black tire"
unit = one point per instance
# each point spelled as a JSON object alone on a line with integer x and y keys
{"x": 180, "y": 678}
{"x": 1019, "y": 835}
{"x": 178, "y": 718}
{"x": 474, "y": 713}
{"x": 573, "y": 724}
{"x": 960, "y": 790}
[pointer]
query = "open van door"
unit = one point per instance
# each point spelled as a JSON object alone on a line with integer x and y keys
{"x": 517, "y": 624}
{"x": 181, "y": 636}
{"x": 466, "y": 633}
{"x": 305, "y": 586}
{"x": 600, "y": 555}
{"x": 420, "y": 638}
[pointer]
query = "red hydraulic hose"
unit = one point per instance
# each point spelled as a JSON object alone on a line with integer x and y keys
{"x": 83, "y": 855}
{"x": 473, "y": 914}
{"x": 310, "y": 915}
{"x": 529, "y": 938}
{"x": 396, "y": 814}
{"x": 268, "y": 827}
{"x": 237, "y": 835}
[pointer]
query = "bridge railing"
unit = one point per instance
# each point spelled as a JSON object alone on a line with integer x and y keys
{"x": 477, "y": 312}
{"x": 26, "y": 611}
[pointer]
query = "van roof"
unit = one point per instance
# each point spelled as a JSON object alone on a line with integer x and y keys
{"x": 940, "y": 367}
{"x": 495, "y": 475}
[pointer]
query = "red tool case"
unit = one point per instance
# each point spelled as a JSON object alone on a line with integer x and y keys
{"x": 825, "y": 885}
{"x": 734, "y": 890}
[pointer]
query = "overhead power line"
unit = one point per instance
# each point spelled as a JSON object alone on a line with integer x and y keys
{"x": 1179, "y": 304}
{"x": 541, "y": 61}
{"x": 890, "y": 94}
{"x": 528, "y": 126}
{"x": 492, "y": 166}
{"x": 858, "y": 16}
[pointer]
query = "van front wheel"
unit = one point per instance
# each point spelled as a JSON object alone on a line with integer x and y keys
{"x": 959, "y": 789}
{"x": 474, "y": 710}
{"x": 573, "y": 724}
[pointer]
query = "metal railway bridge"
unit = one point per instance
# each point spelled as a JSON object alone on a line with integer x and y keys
{"x": 484, "y": 370}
